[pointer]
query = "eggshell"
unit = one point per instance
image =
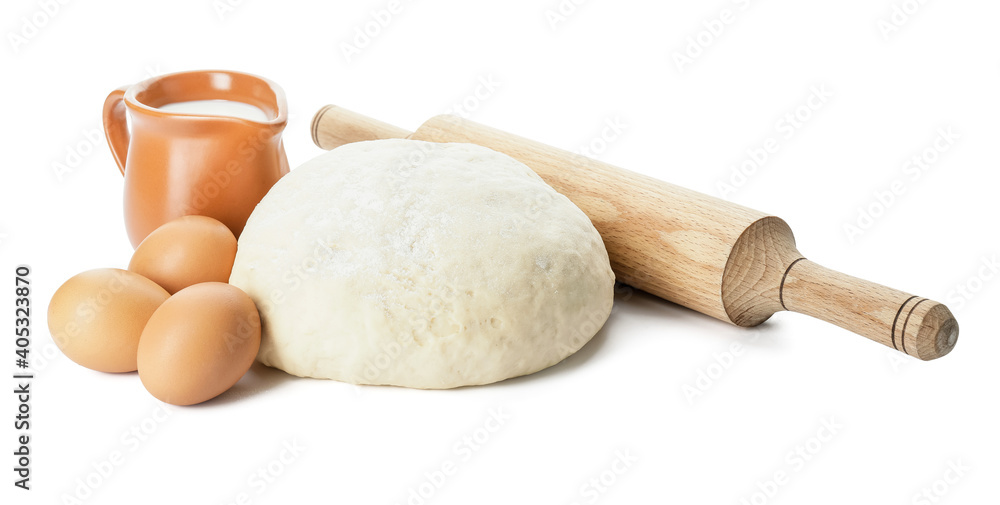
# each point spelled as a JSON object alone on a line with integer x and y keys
{"x": 97, "y": 317}
{"x": 199, "y": 343}
{"x": 186, "y": 251}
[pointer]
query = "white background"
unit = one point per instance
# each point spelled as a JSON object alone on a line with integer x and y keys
{"x": 902, "y": 423}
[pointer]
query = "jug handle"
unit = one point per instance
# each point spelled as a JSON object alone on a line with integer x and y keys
{"x": 115, "y": 126}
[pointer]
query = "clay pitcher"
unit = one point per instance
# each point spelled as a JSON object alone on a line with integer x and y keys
{"x": 182, "y": 163}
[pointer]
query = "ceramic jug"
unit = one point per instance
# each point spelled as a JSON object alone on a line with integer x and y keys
{"x": 182, "y": 163}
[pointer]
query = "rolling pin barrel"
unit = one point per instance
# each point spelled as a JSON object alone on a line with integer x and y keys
{"x": 722, "y": 259}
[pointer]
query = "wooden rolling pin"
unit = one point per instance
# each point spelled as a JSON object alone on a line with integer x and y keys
{"x": 725, "y": 260}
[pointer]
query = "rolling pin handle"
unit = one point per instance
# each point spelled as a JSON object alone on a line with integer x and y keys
{"x": 335, "y": 126}
{"x": 911, "y": 324}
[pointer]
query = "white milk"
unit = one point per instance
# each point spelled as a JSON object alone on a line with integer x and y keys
{"x": 217, "y": 108}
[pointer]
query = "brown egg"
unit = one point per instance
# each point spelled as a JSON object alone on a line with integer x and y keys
{"x": 199, "y": 343}
{"x": 96, "y": 317}
{"x": 186, "y": 251}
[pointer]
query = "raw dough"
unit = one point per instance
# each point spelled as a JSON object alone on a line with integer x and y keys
{"x": 422, "y": 265}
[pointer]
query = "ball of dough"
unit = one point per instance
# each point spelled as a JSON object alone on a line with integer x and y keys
{"x": 423, "y": 265}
